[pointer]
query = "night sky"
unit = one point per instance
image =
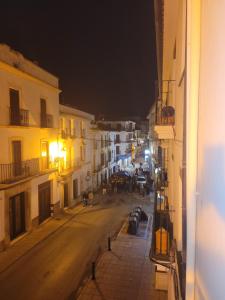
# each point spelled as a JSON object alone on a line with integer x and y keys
{"x": 102, "y": 51}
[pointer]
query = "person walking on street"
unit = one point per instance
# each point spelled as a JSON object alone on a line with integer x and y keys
{"x": 85, "y": 199}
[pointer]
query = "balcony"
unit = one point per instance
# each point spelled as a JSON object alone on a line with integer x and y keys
{"x": 162, "y": 235}
{"x": 49, "y": 121}
{"x": 64, "y": 134}
{"x": 69, "y": 165}
{"x": 165, "y": 121}
{"x": 73, "y": 133}
{"x": 16, "y": 171}
{"x": 20, "y": 118}
{"x": 46, "y": 121}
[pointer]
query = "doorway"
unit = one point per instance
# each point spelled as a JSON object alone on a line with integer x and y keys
{"x": 44, "y": 201}
{"x": 17, "y": 215}
{"x": 66, "y": 194}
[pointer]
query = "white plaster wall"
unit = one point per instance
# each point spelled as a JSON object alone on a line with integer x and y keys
{"x": 30, "y": 93}
{"x": 210, "y": 249}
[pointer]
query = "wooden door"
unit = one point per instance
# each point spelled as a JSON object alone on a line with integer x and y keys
{"x": 66, "y": 194}
{"x": 14, "y": 107}
{"x": 16, "y": 158}
{"x": 44, "y": 201}
{"x": 75, "y": 188}
{"x": 17, "y": 215}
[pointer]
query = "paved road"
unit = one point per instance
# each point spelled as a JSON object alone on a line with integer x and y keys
{"x": 54, "y": 268}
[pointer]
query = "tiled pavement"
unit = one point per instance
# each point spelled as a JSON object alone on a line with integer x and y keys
{"x": 125, "y": 273}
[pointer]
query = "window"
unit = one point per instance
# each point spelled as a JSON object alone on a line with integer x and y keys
{"x": 14, "y": 107}
{"x": 44, "y": 155}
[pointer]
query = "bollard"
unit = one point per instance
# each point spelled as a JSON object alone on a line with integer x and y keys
{"x": 93, "y": 271}
{"x": 109, "y": 244}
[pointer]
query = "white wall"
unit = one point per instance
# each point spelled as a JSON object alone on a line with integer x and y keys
{"x": 210, "y": 250}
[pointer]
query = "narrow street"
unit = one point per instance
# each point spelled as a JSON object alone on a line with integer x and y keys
{"x": 55, "y": 267}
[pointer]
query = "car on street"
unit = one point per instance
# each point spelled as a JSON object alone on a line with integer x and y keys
{"x": 141, "y": 180}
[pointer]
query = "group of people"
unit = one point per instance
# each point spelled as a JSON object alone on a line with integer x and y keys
{"x": 120, "y": 183}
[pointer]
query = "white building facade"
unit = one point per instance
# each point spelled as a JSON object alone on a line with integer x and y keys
{"x": 75, "y": 163}
{"x": 190, "y": 146}
{"x": 28, "y": 127}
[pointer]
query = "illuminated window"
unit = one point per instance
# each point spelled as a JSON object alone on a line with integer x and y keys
{"x": 44, "y": 155}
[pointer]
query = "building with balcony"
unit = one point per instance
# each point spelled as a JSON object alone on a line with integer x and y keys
{"x": 75, "y": 165}
{"x": 124, "y": 139}
{"x": 29, "y": 130}
{"x": 190, "y": 58}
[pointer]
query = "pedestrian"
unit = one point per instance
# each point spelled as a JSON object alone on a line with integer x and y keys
{"x": 85, "y": 197}
{"x": 103, "y": 190}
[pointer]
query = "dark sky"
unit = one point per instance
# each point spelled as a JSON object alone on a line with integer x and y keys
{"x": 102, "y": 51}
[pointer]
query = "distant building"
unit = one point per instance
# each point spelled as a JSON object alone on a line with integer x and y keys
{"x": 75, "y": 163}
{"x": 124, "y": 140}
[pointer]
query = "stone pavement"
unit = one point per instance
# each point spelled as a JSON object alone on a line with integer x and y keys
{"x": 33, "y": 238}
{"x": 125, "y": 272}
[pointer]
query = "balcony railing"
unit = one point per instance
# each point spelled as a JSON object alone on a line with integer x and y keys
{"x": 20, "y": 118}
{"x": 73, "y": 133}
{"x": 165, "y": 115}
{"x": 70, "y": 164}
{"x": 64, "y": 134}
{"x": 46, "y": 121}
{"x": 49, "y": 121}
{"x": 13, "y": 172}
{"x": 16, "y": 171}
{"x": 162, "y": 230}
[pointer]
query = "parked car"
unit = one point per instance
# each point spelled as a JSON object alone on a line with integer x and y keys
{"x": 141, "y": 180}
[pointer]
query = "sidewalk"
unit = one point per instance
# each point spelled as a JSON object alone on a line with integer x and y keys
{"x": 125, "y": 273}
{"x": 33, "y": 238}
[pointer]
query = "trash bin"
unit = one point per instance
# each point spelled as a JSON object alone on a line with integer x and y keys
{"x": 135, "y": 214}
{"x": 133, "y": 225}
{"x": 138, "y": 211}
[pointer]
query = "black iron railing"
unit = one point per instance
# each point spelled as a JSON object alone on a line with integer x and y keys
{"x": 19, "y": 118}
{"x": 165, "y": 115}
{"x": 46, "y": 120}
{"x": 49, "y": 121}
{"x": 162, "y": 231}
{"x": 15, "y": 171}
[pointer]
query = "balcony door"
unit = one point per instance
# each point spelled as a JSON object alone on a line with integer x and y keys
{"x": 44, "y": 201}
{"x": 66, "y": 194}
{"x": 14, "y": 107}
{"x": 43, "y": 113}
{"x": 16, "y": 158}
{"x": 75, "y": 188}
{"x": 17, "y": 215}
{"x": 44, "y": 155}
